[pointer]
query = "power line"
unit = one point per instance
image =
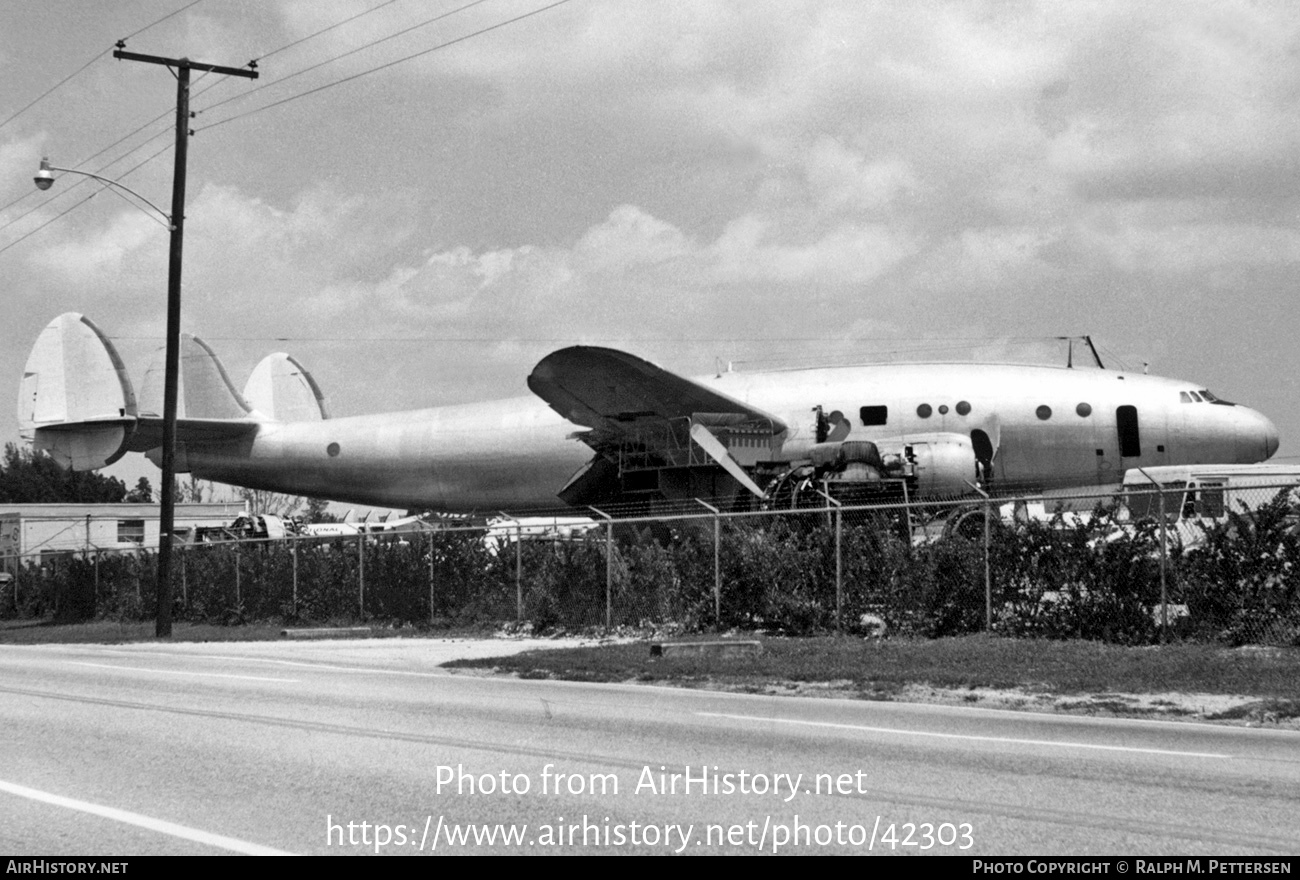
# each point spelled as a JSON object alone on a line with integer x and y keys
{"x": 48, "y": 222}
{"x": 85, "y": 180}
{"x": 554, "y": 339}
{"x": 166, "y": 129}
{"x": 126, "y": 173}
{"x": 443, "y": 45}
{"x": 52, "y": 88}
{"x": 168, "y": 112}
{"x": 290, "y": 76}
{"x": 158, "y": 134}
{"x": 326, "y": 29}
{"x": 452, "y": 42}
{"x": 161, "y": 20}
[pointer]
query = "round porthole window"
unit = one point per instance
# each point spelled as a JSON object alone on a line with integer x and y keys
{"x": 943, "y": 409}
{"x": 1043, "y": 412}
{"x": 924, "y": 410}
{"x": 332, "y": 450}
{"x": 1084, "y": 410}
{"x": 963, "y": 408}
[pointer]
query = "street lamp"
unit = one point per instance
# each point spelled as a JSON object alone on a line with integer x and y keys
{"x": 167, "y": 503}
{"x": 44, "y": 179}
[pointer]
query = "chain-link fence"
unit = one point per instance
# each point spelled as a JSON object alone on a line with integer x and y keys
{"x": 1150, "y": 565}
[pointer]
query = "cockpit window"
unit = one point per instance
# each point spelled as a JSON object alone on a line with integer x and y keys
{"x": 1215, "y": 399}
{"x": 1184, "y": 397}
{"x": 1196, "y": 397}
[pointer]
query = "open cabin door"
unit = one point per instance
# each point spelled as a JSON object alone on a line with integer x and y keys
{"x": 1129, "y": 435}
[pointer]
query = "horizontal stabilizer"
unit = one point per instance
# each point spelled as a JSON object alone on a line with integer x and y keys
{"x": 75, "y": 400}
{"x": 148, "y": 432}
{"x": 280, "y": 388}
{"x": 204, "y": 389}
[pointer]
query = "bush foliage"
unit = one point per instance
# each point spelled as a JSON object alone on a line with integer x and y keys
{"x": 1083, "y": 579}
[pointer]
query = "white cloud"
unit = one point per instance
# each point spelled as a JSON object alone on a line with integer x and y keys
{"x": 629, "y": 237}
{"x": 110, "y": 251}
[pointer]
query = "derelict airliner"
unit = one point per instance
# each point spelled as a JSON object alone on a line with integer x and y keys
{"x": 939, "y": 429}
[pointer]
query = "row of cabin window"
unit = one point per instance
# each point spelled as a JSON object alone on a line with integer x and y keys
{"x": 879, "y": 415}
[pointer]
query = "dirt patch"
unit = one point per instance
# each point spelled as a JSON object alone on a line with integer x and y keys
{"x": 1239, "y": 710}
{"x": 1165, "y": 706}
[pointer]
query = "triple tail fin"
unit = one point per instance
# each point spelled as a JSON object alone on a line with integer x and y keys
{"x": 75, "y": 400}
{"x": 208, "y": 408}
{"x": 204, "y": 389}
{"x": 280, "y": 388}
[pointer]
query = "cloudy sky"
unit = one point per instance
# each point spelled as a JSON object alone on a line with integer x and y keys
{"x": 419, "y": 211}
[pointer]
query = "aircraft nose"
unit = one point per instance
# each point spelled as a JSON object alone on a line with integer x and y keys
{"x": 1257, "y": 433}
{"x": 1270, "y": 437}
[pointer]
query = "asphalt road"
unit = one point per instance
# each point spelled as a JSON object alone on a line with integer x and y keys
{"x": 363, "y": 747}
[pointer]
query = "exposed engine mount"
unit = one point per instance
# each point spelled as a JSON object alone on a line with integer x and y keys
{"x": 862, "y": 472}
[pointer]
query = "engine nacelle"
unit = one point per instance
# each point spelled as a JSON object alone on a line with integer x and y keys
{"x": 865, "y": 472}
{"x": 941, "y": 463}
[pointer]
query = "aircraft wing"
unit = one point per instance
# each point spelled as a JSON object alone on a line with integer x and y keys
{"x": 644, "y": 416}
{"x": 605, "y": 389}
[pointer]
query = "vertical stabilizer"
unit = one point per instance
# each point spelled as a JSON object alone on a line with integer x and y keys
{"x": 280, "y": 388}
{"x": 204, "y": 390}
{"x": 75, "y": 400}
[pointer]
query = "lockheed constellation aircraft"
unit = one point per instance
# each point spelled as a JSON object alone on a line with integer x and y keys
{"x": 606, "y": 427}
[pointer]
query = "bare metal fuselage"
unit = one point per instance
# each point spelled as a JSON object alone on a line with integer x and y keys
{"x": 1050, "y": 426}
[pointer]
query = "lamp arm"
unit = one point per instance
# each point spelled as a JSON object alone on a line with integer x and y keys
{"x": 164, "y": 214}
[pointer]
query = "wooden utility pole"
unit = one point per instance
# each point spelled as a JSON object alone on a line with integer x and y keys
{"x": 181, "y": 67}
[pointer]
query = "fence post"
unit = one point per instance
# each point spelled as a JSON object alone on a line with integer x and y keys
{"x": 1164, "y": 524}
{"x": 239, "y": 599}
{"x": 519, "y": 571}
{"x": 293, "y": 551}
{"x": 907, "y": 515}
{"x": 430, "y": 577}
{"x": 361, "y": 572}
{"x": 717, "y": 565}
{"x": 839, "y": 566}
{"x": 988, "y": 576}
{"x": 609, "y": 567}
{"x": 1164, "y": 550}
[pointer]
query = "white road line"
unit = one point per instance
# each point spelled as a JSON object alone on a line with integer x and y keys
{"x": 147, "y": 822}
{"x": 182, "y": 672}
{"x": 992, "y": 739}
